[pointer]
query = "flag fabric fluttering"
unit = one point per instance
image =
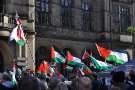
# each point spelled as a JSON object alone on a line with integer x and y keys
{"x": 17, "y": 19}
{"x": 43, "y": 69}
{"x": 52, "y": 71}
{"x": 86, "y": 70}
{"x": 13, "y": 34}
{"x": 56, "y": 56}
{"x": 68, "y": 68}
{"x": 74, "y": 61}
{"x": 85, "y": 55}
{"x": 112, "y": 56}
{"x": 13, "y": 73}
{"x": 99, "y": 65}
{"x": 17, "y": 33}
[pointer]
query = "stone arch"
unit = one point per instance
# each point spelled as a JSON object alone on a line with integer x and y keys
{"x": 6, "y": 54}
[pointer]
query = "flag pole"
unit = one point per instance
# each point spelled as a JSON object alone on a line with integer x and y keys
{"x": 98, "y": 48}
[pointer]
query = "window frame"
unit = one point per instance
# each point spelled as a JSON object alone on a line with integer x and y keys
{"x": 86, "y": 17}
{"x": 43, "y": 14}
{"x": 66, "y": 13}
{"x": 119, "y": 17}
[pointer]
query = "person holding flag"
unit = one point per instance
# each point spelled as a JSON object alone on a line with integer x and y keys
{"x": 13, "y": 73}
{"x": 43, "y": 70}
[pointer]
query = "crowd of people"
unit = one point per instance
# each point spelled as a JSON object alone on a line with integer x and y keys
{"x": 30, "y": 80}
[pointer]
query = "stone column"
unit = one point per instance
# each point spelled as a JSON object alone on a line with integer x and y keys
{"x": 30, "y": 46}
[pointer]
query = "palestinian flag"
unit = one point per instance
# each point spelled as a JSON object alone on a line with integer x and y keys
{"x": 13, "y": 73}
{"x": 68, "y": 68}
{"x": 17, "y": 19}
{"x": 112, "y": 56}
{"x": 18, "y": 35}
{"x": 42, "y": 70}
{"x": 86, "y": 70}
{"x": 56, "y": 56}
{"x": 74, "y": 61}
{"x": 85, "y": 55}
{"x": 52, "y": 71}
{"x": 100, "y": 65}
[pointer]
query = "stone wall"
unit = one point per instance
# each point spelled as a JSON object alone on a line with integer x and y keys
{"x": 76, "y": 46}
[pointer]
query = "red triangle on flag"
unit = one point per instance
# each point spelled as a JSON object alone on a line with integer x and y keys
{"x": 19, "y": 33}
{"x": 69, "y": 56}
{"x": 104, "y": 52}
{"x": 52, "y": 52}
{"x": 85, "y": 55}
{"x": 88, "y": 71}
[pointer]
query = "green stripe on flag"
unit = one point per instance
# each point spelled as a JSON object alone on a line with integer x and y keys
{"x": 100, "y": 65}
{"x": 113, "y": 58}
{"x": 21, "y": 42}
{"x": 73, "y": 63}
{"x": 58, "y": 60}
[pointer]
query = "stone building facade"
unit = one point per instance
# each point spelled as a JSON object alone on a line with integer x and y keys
{"x": 10, "y": 51}
{"x": 74, "y": 24}
{"x": 78, "y": 24}
{"x": 119, "y": 15}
